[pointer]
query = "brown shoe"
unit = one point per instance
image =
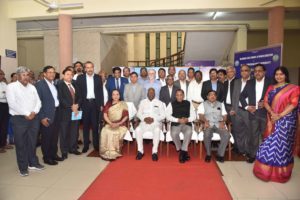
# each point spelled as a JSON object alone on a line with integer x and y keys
{"x": 2, "y": 150}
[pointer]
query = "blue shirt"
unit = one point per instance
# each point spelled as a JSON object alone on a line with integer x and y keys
{"x": 156, "y": 85}
{"x": 214, "y": 86}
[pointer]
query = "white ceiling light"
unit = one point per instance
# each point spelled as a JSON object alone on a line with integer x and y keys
{"x": 216, "y": 14}
{"x": 55, "y": 6}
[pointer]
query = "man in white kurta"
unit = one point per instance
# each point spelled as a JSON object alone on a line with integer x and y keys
{"x": 151, "y": 112}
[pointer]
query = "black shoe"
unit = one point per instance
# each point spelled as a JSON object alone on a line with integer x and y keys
{"x": 96, "y": 148}
{"x": 182, "y": 156}
{"x": 24, "y": 173}
{"x": 139, "y": 156}
{"x": 187, "y": 156}
{"x": 50, "y": 162}
{"x": 75, "y": 152}
{"x": 220, "y": 159}
{"x": 250, "y": 160}
{"x": 154, "y": 157}
{"x": 37, "y": 167}
{"x": 85, "y": 149}
{"x": 57, "y": 158}
{"x": 207, "y": 159}
{"x": 64, "y": 156}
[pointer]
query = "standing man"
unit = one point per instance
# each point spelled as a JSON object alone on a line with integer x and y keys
{"x": 182, "y": 83}
{"x": 162, "y": 76}
{"x": 24, "y": 105}
{"x": 151, "y": 112}
{"x": 49, "y": 116}
{"x": 181, "y": 115}
{"x": 168, "y": 92}
{"x": 126, "y": 73}
{"x": 143, "y": 76}
{"x": 255, "y": 91}
{"x": 78, "y": 68}
{"x": 69, "y": 99}
{"x": 172, "y": 72}
{"x": 4, "y": 115}
{"x": 152, "y": 83}
{"x": 240, "y": 122}
{"x": 116, "y": 82}
{"x": 213, "y": 84}
{"x": 90, "y": 88}
{"x": 228, "y": 87}
{"x": 190, "y": 74}
{"x": 222, "y": 75}
{"x": 134, "y": 92}
{"x": 194, "y": 90}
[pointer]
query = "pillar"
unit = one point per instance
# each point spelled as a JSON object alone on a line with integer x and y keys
{"x": 65, "y": 41}
{"x": 276, "y": 25}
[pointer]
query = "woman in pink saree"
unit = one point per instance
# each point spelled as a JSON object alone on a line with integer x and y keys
{"x": 274, "y": 158}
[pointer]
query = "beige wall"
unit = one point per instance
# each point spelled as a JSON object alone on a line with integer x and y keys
{"x": 31, "y": 54}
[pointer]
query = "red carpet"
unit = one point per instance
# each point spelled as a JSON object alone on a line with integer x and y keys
{"x": 127, "y": 178}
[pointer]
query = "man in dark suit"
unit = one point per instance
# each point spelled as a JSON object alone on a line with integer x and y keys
{"x": 91, "y": 90}
{"x": 228, "y": 87}
{"x": 49, "y": 116}
{"x": 213, "y": 84}
{"x": 116, "y": 82}
{"x": 255, "y": 91}
{"x": 182, "y": 83}
{"x": 69, "y": 98}
{"x": 167, "y": 93}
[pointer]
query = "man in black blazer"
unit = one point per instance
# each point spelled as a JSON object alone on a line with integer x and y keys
{"x": 116, "y": 82}
{"x": 252, "y": 100}
{"x": 228, "y": 87}
{"x": 168, "y": 92}
{"x": 49, "y": 116}
{"x": 69, "y": 98}
{"x": 91, "y": 89}
{"x": 213, "y": 84}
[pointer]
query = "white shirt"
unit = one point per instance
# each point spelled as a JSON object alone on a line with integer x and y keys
{"x": 3, "y": 87}
{"x": 194, "y": 91}
{"x": 53, "y": 92}
{"x": 242, "y": 88}
{"x": 170, "y": 118}
{"x": 183, "y": 87}
{"x": 90, "y": 87}
{"x": 154, "y": 109}
{"x": 259, "y": 87}
{"x": 75, "y": 76}
{"x": 201, "y": 109}
{"x": 70, "y": 84}
{"x": 228, "y": 99}
{"x": 170, "y": 90}
{"x": 22, "y": 100}
{"x": 162, "y": 82}
{"x": 105, "y": 93}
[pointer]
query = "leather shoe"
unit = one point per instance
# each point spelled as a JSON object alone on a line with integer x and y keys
{"x": 207, "y": 159}
{"x": 85, "y": 149}
{"x": 64, "y": 156}
{"x": 139, "y": 156}
{"x": 186, "y": 156}
{"x": 75, "y": 152}
{"x": 57, "y": 158}
{"x": 50, "y": 162}
{"x": 154, "y": 157}
{"x": 220, "y": 159}
{"x": 181, "y": 156}
{"x": 250, "y": 160}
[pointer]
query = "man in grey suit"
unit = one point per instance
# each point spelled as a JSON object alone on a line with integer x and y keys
{"x": 167, "y": 92}
{"x": 134, "y": 92}
{"x": 240, "y": 122}
{"x": 182, "y": 83}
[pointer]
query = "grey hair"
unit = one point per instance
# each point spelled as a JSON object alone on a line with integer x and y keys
{"x": 230, "y": 66}
{"x": 22, "y": 69}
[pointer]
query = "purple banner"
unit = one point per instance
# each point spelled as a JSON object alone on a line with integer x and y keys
{"x": 204, "y": 63}
{"x": 270, "y": 56}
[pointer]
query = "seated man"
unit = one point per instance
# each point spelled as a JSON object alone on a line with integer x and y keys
{"x": 181, "y": 114}
{"x": 151, "y": 112}
{"x": 213, "y": 114}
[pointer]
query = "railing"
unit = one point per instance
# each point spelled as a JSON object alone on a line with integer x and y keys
{"x": 172, "y": 60}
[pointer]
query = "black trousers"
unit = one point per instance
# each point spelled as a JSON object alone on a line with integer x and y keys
{"x": 90, "y": 119}
{"x": 49, "y": 138}
{"x": 258, "y": 126}
{"x": 25, "y": 132}
{"x": 3, "y": 123}
{"x": 68, "y": 136}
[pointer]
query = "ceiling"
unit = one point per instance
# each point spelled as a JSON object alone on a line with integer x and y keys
{"x": 158, "y": 18}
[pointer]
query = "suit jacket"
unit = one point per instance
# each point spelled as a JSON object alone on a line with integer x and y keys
{"x": 134, "y": 96}
{"x": 177, "y": 84}
{"x": 66, "y": 100}
{"x": 111, "y": 85}
{"x": 226, "y": 89}
{"x": 207, "y": 87}
{"x": 250, "y": 93}
{"x": 98, "y": 89}
{"x": 164, "y": 94}
{"x": 235, "y": 98}
{"x": 48, "y": 104}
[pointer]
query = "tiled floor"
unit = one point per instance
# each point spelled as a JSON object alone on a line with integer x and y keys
{"x": 69, "y": 179}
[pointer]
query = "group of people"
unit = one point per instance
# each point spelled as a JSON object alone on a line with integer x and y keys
{"x": 262, "y": 113}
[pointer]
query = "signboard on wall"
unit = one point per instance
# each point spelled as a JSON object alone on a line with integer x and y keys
{"x": 10, "y": 53}
{"x": 270, "y": 56}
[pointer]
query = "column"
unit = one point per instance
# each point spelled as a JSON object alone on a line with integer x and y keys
{"x": 65, "y": 41}
{"x": 276, "y": 25}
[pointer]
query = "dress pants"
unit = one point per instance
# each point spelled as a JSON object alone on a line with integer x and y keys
{"x": 49, "y": 138}
{"x": 90, "y": 119}
{"x": 208, "y": 134}
{"x": 231, "y": 119}
{"x": 187, "y": 133}
{"x": 3, "y": 123}
{"x": 68, "y": 136}
{"x": 25, "y": 132}
{"x": 142, "y": 128}
{"x": 258, "y": 126}
{"x": 241, "y": 125}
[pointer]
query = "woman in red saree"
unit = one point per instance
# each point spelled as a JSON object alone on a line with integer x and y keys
{"x": 115, "y": 115}
{"x": 274, "y": 158}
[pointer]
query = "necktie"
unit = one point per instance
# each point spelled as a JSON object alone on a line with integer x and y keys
{"x": 72, "y": 92}
{"x": 117, "y": 84}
